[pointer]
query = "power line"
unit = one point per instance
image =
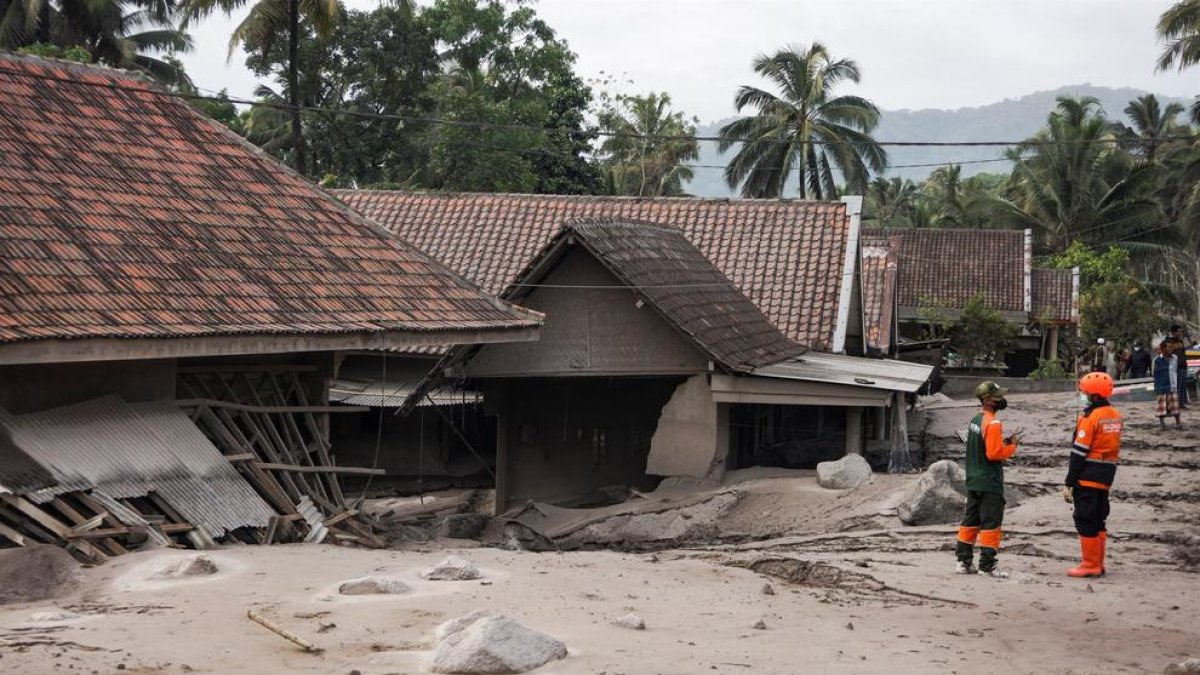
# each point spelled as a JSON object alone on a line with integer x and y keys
{"x": 154, "y": 90}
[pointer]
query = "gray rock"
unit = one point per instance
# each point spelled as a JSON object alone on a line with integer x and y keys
{"x": 848, "y": 472}
{"x": 194, "y": 566}
{"x": 373, "y": 586}
{"x": 759, "y": 625}
{"x": 631, "y": 621}
{"x": 1189, "y": 666}
{"x": 937, "y": 497}
{"x": 482, "y": 642}
{"x": 768, "y": 589}
{"x": 453, "y": 568}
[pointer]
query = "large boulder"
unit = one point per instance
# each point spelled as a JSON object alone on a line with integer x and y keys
{"x": 938, "y": 496}
{"x": 845, "y": 473}
{"x": 482, "y": 642}
{"x": 373, "y": 585}
{"x": 36, "y": 572}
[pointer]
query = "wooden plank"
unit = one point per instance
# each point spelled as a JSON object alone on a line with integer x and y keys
{"x": 296, "y": 468}
{"x": 100, "y": 534}
{"x": 242, "y": 457}
{"x": 176, "y": 528}
{"x": 45, "y": 520}
{"x": 340, "y": 517}
{"x": 168, "y": 510}
{"x": 12, "y": 535}
{"x": 110, "y": 545}
{"x": 243, "y": 407}
{"x": 246, "y": 367}
{"x": 322, "y": 442}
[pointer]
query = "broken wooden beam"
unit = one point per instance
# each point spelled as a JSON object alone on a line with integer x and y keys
{"x": 243, "y": 407}
{"x": 296, "y": 468}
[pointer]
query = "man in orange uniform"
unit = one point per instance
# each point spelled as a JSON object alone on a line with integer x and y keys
{"x": 1095, "y": 451}
{"x": 986, "y": 451}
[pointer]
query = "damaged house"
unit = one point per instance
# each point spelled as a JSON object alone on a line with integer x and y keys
{"x": 651, "y": 363}
{"x": 173, "y": 306}
{"x": 916, "y": 277}
{"x": 797, "y": 261}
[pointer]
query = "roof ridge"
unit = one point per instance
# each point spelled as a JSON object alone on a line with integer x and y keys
{"x": 101, "y": 68}
{"x": 631, "y": 198}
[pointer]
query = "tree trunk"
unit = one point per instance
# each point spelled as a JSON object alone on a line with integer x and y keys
{"x": 1196, "y": 267}
{"x": 294, "y": 84}
{"x": 43, "y": 29}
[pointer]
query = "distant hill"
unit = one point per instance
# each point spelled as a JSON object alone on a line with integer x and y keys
{"x": 1010, "y": 119}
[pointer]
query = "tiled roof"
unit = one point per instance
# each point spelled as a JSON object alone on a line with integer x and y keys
{"x": 879, "y": 270}
{"x": 945, "y": 268}
{"x": 677, "y": 280}
{"x": 1055, "y": 296}
{"x": 786, "y": 256}
{"x": 125, "y": 213}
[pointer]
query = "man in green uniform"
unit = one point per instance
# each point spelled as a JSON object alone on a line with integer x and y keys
{"x": 987, "y": 448}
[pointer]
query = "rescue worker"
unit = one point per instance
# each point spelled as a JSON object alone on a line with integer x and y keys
{"x": 986, "y": 451}
{"x": 1095, "y": 451}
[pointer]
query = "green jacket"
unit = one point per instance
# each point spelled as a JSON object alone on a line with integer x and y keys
{"x": 986, "y": 452}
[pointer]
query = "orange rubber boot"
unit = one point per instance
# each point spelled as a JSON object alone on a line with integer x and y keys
{"x": 1090, "y": 548}
{"x": 1103, "y": 549}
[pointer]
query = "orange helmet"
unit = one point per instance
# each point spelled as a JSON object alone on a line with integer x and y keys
{"x": 1100, "y": 384}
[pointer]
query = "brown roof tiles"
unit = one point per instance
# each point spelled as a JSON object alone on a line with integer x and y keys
{"x": 1055, "y": 296}
{"x": 125, "y": 213}
{"x": 787, "y": 256}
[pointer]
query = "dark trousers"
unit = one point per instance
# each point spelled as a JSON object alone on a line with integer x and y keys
{"x": 1183, "y": 388}
{"x": 981, "y": 521}
{"x": 1091, "y": 511}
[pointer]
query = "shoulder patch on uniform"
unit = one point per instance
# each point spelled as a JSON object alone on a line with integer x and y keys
{"x": 1082, "y": 433}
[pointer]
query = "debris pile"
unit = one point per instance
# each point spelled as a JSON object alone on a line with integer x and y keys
{"x": 245, "y": 458}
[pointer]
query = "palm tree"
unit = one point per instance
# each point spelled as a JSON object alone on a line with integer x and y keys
{"x": 647, "y": 146}
{"x": 119, "y": 33}
{"x": 1071, "y": 181}
{"x": 891, "y": 201}
{"x": 804, "y": 128}
{"x": 1179, "y": 27}
{"x": 259, "y": 30}
{"x": 1152, "y": 124}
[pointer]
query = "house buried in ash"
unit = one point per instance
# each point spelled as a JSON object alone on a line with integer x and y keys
{"x": 797, "y": 261}
{"x": 651, "y": 363}
{"x": 173, "y": 305}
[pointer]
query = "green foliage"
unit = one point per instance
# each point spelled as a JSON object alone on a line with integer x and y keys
{"x": 981, "y": 333}
{"x": 1179, "y": 28}
{"x": 640, "y": 165}
{"x": 1094, "y": 268}
{"x": 779, "y": 138}
{"x": 1121, "y": 310}
{"x": 75, "y": 53}
{"x": 1049, "y": 369}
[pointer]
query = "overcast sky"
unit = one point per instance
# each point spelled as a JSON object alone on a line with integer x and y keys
{"x": 912, "y": 53}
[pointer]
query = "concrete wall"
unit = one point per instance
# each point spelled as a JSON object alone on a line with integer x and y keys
{"x": 28, "y": 388}
{"x": 959, "y": 386}
{"x": 692, "y": 438}
{"x": 590, "y": 331}
{"x": 565, "y": 437}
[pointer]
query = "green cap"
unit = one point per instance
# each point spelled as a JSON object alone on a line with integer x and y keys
{"x": 989, "y": 388}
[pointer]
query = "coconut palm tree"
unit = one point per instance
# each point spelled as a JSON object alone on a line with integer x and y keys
{"x": 890, "y": 200}
{"x": 1152, "y": 124}
{"x": 647, "y": 146}
{"x": 1179, "y": 28}
{"x": 118, "y": 33}
{"x": 1071, "y": 181}
{"x": 804, "y": 127}
{"x": 266, "y": 22}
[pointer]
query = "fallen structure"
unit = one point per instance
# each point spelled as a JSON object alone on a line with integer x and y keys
{"x": 173, "y": 307}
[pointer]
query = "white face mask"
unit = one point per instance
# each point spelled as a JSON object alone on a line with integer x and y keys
{"x": 1084, "y": 400}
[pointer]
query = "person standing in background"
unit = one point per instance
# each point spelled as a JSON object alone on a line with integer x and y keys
{"x": 1139, "y": 362}
{"x": 1099, "y": 356}
{"x": 1123, "y": 360}
{"x": 1166, "y": 402}
{"x": 1178, "y": 343}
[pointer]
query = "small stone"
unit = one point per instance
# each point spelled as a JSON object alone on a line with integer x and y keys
{"x": 759, "y": 625}
{"x": 453, "y": 568}
{"x": 862, "y": 563}
{"x": 850, "y": 625}
{"x": 373, "y": 586}
{"x": 631, "y": 621}
{"x": 120, "y": 666}
{"x": 768, "y": 589}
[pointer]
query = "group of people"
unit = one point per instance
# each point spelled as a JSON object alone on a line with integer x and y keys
{"x": 1092, "y": 466}
{"x": 1166, "y": 363}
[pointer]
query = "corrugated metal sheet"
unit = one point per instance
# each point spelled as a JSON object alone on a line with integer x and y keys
{"x": 19, "y": 473}
{"x": 128, "y": 451}
{"x": 855, "y": 371}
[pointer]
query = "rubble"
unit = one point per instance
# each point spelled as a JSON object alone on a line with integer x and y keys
{"x": 192, "y": 566}
{"x": 373, "y": 585}
{"x": 848, "y": 472}
{"x": 453, "y": 568}
{"x": 1188, "y": 666}
{"x": 482, "y": 642}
